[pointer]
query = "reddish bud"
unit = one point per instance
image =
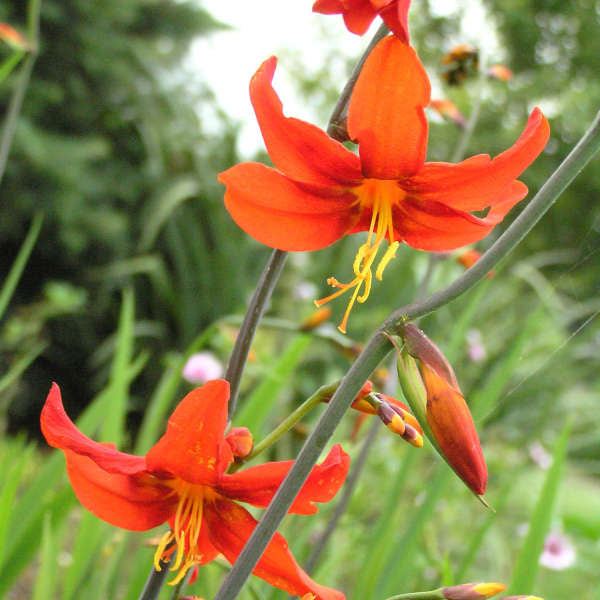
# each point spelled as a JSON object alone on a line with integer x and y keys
{"x": 448, "y": 110}
{"x": 452, "y": 426}
{"x": 500, "y": 72}
{"x": 472, "y": 591}
{"x": 391, "y": 419}
{"x": 240, "y": 441}
{"x": 468, "y": 258}
{"x": 317, "y": 318}
{"x": 12, "y": 37}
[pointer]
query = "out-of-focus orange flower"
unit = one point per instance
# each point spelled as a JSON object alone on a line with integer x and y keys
{"x": 500, "y": 72}
{"x": 12, "y": 37}
{"x": 318, "y": 317}
{"x": 469, "y": 257}
{"x": 182, "y": 481}
{"x": 359, "y": 14}
{"x": 459, "y": 63}
{"x": 447, "y": 415}
{"x": 321, "y": 191}
{"x": 448, "y": 110}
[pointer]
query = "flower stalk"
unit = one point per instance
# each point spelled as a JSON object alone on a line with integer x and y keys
{"x": 379, "y": 346}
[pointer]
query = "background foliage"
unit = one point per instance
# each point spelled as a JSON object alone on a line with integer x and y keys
{"x": 136, "y": 258}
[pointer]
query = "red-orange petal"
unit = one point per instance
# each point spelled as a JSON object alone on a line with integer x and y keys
{"x": 193, "y": 448}
{"x": 452, "y": 425}
{"x": 298, "y": 149}
{"x": 395, "y": 16}
{"x": 359, "y": 16}
{"x": 433, "y": 226}
{"x": 135, "y": 502}
{"x": 257, "y": 485}
{"x": 230, "y": 526}
{"x": 61, "y": 432}
{"x": 275, "y": 211}
{"x": 386, "y": 113}
{"x": 479, "y": 182}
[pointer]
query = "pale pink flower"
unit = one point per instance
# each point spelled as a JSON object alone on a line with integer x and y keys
{"x": 559, "y": 553}
{"x": 202, "y": 367}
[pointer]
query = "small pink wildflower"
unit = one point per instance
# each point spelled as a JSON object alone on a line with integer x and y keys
{"x": 202, "y": 367}
{"x": 559, "y": 553}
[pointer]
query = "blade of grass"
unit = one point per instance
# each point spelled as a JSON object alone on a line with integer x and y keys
{"x": 526, "y": 567}
{"x": 46, "y": 575}
{"x": 260, "y": 403}
{"x": 20, "y": 365}
{"x": 113, "y": 429}
{"x": 11, "y": 281}
{"x": 9, "y": 64}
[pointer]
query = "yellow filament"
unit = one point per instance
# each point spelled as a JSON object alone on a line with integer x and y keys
{"x": 187, "y": 526}
{"x": 381, "y": 226}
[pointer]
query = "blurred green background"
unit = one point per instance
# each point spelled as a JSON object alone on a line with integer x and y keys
{"x": 136, "y": 258}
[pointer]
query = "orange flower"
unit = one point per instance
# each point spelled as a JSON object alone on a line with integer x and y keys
{"x": 182, "y": 481}
{"x": 448, "y": 110}
{"x": 500, "y": 72}
{"x": 320, "y": 191}
{"x": 359, "y": 14}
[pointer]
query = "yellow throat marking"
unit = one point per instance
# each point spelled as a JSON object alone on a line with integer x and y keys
{"x": 379, "y": 196}
{"x": 186, "y": 531}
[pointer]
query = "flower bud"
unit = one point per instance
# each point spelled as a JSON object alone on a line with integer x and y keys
{"x": 445, "y": 418}
{"x": 202, "y": 367}
{"x": 240, "y": 441}
{"x": 391, "y": 419}
{"x": 317, "y": 318}
{"x": 472, "y": 591}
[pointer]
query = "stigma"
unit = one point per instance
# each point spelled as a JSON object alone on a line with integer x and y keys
{"x": 378, "y": 196}
{"x": 184, "y": 537}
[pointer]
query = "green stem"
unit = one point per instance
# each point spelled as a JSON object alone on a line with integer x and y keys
{"x": 155, "y": 581}
{"x": 577, "y": 159}
{"x": 379, "y": 346}
{"x": 16, "y": 101}
{"x": 431, "y": 595}
{"x": 319, "y": 396}
{"x": 258, "y": 303}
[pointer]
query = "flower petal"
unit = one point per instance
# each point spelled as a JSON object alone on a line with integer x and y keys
{"x": 230, "y": 526}
{"x": 395, "y": 16}
{"x": 386, "y": 113}
{"x": 61, "y": 432}
{"x": 193, "y": 447}
{"x": 479, "y": 182}
{"x": 204, "y": 551}
{"x": 135, "y": 502}
{"x": 429, "y": 225}
{"x": 359, "y": 16}
{"x": 298, "y": 149}
{"x": 277, "y": 212}
{"x": 257, "y": 485}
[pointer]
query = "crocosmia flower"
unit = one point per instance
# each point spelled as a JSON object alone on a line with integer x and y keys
{"x": 320, "y": 191}
{"x": 183, "y": 481}
{"x": 359, "y": 14}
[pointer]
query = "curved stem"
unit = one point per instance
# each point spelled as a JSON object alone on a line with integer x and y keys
{"x": 337, "y": 127}
{"x": 379, "y": 346}
{"x": 257, "y": 306}
{"x": 431, "y": 595}
{"x": 349, "y": 485}
{"x": 576, "y": 160}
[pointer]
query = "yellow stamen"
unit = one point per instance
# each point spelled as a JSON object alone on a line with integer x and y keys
{"x": 378, "y": 196}
{"x": 187, "y": 526}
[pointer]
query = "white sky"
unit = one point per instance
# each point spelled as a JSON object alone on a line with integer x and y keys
{"x": 262, "y": 28}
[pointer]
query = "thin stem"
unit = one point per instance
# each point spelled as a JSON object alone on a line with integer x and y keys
{"x": 155, "y": 581}
{"x": 349, "y": 485}
{"x": 337, "y": 128}
{"x": 375, "y": 351}
{"x": 379, "y": 346}
{"x": 576, "y": 160}
{"x": 181, "y": 585}
{"x": 323, "y": 392}
{"x": 257, "y": 306}
{"x": 16, "y": 101}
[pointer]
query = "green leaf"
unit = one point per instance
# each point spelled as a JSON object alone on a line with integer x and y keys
{"x": 526, "y": 567}
{"x": 260, "y": 403}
